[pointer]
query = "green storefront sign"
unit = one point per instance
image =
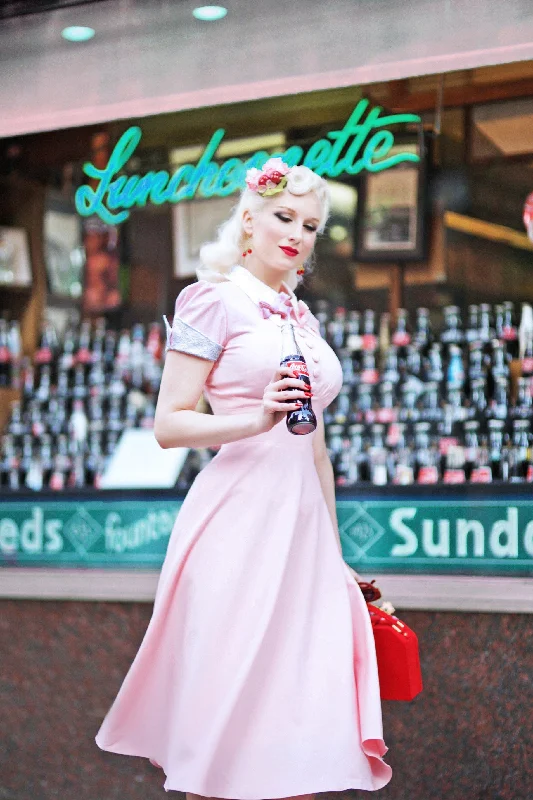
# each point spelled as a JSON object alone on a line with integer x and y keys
{"x": 364, "y": 143}
{"x": 403, "y": 536}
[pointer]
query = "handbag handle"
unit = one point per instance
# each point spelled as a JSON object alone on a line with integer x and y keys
{"x": 370, "y": 592}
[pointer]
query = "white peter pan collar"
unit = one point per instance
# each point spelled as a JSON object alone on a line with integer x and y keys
{"x": 256, "y": 289}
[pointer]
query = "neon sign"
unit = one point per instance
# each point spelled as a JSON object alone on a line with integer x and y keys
{"x": 363, "y": 144}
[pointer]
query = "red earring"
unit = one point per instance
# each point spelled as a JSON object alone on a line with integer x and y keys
{"x": 300, "y": 271}
{"x": 246, "y": 252}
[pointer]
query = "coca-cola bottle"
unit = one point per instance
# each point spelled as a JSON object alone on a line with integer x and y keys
{"x": 434, "y": 368}
{"x": 476, "y": 365}
{"x": 413, "y": 364}
{"x": 521, "y": 446}
{"x": 58, "y": 476}
{"x": 509, "y": 329}
{"x": 472, "y": 327}
{"x": 365, "y": 403}
{"x": 15, "y": 351}
{"x": 401, "y": 336}
{"x": 83, "y": 354}
{"x": 482, "y": 471}
{"x": 350, "y": 376}
{"x": 17, "y": 427}
{"x": 377, "y": 453}
{"x": 453, "y": 331}
{"x": 427, "y": 458}
{"x": 336, "y": 329}
{"x": 454, "y": 471}
{"x": 78, "y": 428}
{"x": 471, "y": 449}
{"x": 299, "y": 420}
{"x": 486, "y": 329}
{"x": 370, "y": 340}
{"x": 422, "y": 335}
{"x": 523, "y": 407}
{"x": 342, "y": 405}
{"x": 47, "y": 351}
{"x": 390, "y": 369}
{"x": 496, "y": 433}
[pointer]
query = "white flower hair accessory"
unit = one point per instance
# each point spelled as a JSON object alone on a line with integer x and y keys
{"x": 269, "y": 180}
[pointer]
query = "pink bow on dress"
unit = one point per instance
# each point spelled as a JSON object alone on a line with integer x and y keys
{"x": 281, "y": 306}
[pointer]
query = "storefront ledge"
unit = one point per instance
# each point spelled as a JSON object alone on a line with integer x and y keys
{"x": 415, "y": 592}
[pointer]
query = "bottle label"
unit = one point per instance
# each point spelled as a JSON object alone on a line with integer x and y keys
{"x": 401, "y": 339}
{"x": 370, "y": 342}
{"x": 379, "y": 475}
{"x": 83, "y": 356}
{"x": 428, "y": 475}
{"x": 43, "y": 356}
{"x": 57, "y": 481}
{"x": 481, "y": 475}
{"x": 403, "y": 475}
{"x": 298, "y": 366}
{"x": 369, "y": 376}
{"x": 509, "y": 334}
{"x": 527, "y": 365}
{"x": 386, "y": 415}
{"x": 445, "y": 442}
{"x": 454, "y": 476}
{"x": 393, "y": 435}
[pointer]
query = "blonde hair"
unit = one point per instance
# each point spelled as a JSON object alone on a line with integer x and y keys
{"x": 218, "y": 257}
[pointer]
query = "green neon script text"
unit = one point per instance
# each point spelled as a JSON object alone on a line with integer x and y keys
{"x": 363, "y": 144}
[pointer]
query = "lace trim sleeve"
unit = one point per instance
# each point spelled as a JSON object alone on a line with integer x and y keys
{"x": 186, "y": 339}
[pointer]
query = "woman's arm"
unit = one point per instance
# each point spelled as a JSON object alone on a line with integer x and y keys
{"x": 324, "y": 469}
{"x": 177, "y": 424}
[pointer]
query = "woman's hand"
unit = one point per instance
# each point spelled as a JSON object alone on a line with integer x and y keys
{"x": 280, "y": 396}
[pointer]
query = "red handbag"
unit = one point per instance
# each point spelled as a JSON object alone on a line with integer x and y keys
{"x": 400, "y": 676}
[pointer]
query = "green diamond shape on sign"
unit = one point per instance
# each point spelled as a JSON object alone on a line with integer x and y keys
{"x": 360, "y": 532}
{"x": 82, "y": 531}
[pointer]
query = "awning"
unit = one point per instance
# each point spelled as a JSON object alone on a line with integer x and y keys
{"x": 149, "y": 58}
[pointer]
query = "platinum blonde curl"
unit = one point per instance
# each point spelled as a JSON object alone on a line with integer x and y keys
{"x": 218, "y": 257}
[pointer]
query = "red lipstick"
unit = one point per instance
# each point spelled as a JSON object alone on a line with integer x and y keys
{"x": 290, "y": 251}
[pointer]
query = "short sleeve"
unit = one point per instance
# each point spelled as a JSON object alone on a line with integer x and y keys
{"x": 199, "y": 323}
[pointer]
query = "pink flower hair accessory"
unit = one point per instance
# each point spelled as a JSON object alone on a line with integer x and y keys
{"x": 269, "y": 180}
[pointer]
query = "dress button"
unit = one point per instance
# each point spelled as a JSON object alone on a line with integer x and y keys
{"x": 316, "y": 373}
{"x": 314, "y": 357}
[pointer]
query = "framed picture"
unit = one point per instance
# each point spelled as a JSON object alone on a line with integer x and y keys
{"x": 101, "y": 278}
{"x": 64, "y": 253}
{"x": 193, "y": 224}
{"x": 391, "y": 210}
{"x": 15, "y": 265}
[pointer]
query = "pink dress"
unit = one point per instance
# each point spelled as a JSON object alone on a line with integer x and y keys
{"x": 257, "y": 675}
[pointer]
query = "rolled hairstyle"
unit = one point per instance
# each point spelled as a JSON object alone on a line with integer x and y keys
{"x": 218, "y": 257}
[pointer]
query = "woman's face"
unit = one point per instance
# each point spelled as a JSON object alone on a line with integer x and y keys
{"x": 284, "y": 230}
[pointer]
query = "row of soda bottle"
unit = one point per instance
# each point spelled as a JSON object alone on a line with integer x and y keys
{"x": 48, "y": 445}
{"x": 77, "y": 395}
{"x": 429, "y": 404}
{"x": 424, "y": 453}
{"x": 356, "y": 331}
{"x": 89, "y": 352}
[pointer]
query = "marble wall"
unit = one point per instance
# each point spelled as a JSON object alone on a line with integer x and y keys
{"x": 468, "y": 736}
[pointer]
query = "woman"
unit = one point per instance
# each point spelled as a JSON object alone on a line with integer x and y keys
{"x": 257, "y": 674}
